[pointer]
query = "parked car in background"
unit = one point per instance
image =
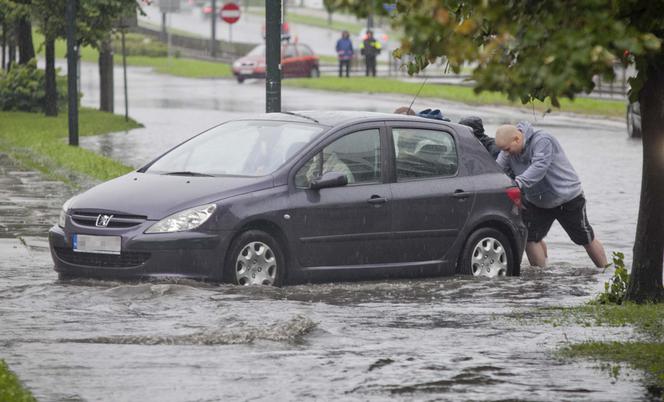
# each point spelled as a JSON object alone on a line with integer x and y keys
{"x": 634, "y": 120}
{"x": 296, "y": 197}
{"x": 297, "y": 60}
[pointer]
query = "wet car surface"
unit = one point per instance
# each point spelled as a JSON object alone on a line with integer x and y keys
{"x": 329, "y": 195}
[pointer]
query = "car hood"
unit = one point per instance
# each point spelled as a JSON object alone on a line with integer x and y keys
{"x": 254, "y": 60}
{"x": 158, "y": 196}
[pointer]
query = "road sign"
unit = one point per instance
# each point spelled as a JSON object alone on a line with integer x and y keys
{"x": 230, "y": 13}
{"x": 169, "y": 6}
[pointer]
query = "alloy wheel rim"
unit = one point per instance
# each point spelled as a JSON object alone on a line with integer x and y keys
{"x": 489, "y": 258}
{"x": 256, "y": 264}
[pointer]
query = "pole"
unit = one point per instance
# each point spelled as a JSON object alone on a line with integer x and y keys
{"x": 124, "y": 70}
{"x": 230, "y": 33}
{"x": 72, "y": 61}
{"x": 273, "y": 55}
{"x": 163, "y": 26}
{"x": 213, "y": 42}
{"x": 168, "y": 40}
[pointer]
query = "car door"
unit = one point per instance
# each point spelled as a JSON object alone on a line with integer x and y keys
{"x": 348, "y": 225}
{"x": 289, "y": 61}
{"x": 430, "y": 199}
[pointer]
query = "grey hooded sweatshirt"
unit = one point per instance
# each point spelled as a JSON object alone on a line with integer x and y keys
{"x": 542, "y": 170}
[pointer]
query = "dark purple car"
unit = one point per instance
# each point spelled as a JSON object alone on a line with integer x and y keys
{"x": 297, "y": 197}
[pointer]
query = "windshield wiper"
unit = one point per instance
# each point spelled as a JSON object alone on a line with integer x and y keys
{"x": 187, "y": 173}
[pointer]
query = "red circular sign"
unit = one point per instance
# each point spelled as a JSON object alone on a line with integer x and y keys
{"x": 230, "y": 13}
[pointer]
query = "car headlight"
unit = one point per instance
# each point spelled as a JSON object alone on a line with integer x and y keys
{"x": 63, "y": 213}
{"x": 184, "y": 220}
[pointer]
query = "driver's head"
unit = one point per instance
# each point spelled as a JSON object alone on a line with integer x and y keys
{"x": 509, "y": 139}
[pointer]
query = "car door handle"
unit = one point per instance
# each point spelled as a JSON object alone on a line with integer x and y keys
{"x": 377, "y": 199}
{"x": 460, "y": 194}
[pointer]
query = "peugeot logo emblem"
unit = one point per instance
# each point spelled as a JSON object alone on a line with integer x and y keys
{"x": 103, "y": 220}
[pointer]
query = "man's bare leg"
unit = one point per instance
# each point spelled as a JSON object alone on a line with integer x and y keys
{"x": 536, "y": 252}
{"x": 596, "y": 252}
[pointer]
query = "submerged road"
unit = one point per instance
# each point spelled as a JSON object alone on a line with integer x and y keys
{"x": 429, "y": 339}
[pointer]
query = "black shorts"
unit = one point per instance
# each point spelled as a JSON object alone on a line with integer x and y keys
{"x": 571, "y": 215}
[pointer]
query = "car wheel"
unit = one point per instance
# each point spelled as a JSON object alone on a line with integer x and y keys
{"x": 240, "y": 79}
{"x": 487, "y": 252}
{"x": 255, "y": 258}
{"x": 314, "y": 73}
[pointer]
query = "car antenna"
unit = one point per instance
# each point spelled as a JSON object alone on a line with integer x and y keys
{"x": 302, "y": 116}
{"x": 418, "y": 92}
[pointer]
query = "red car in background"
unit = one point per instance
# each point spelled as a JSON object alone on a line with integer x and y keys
{"x": 297, "y": 60}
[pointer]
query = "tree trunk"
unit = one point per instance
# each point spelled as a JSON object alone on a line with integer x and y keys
{"x": 4, "y": 46}
{"x": 26, "y": 49}
{"x": 106, "y": 99}
{"x": 51, "y": 105}
{"x": 646, "y": 278}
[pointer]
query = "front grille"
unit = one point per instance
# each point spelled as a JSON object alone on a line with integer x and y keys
{"x": 124, "y": 260}
{"x": 117, "y": 221}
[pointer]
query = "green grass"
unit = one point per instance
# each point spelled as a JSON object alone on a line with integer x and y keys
{"x": 182, "y": 67}
{"x": 40, "y": 143}
{"x": 646, "y": 354}
{"x": 11, "y": 388}
{"x": 293, "y": 17}
{"x": 455, "y": 93}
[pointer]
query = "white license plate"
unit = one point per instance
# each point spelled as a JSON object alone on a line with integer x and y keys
{"x": 97, "y": 244}
{"x": 246, "y": 71}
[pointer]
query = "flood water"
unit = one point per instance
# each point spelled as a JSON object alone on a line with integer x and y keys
{"x": 427, "y": 339}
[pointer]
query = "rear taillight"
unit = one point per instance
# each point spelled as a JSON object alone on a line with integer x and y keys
{"x": 514, "y": 194}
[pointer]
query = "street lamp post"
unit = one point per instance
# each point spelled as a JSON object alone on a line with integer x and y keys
{"x": 273, "y": 55}
{"x": 72, "y": 59}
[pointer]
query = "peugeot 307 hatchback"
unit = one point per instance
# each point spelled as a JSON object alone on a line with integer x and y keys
{"x": 297, "y": 197}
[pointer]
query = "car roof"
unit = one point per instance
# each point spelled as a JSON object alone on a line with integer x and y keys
{"x": 334, "y": 118}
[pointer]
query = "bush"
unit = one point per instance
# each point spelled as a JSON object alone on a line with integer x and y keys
{"x": 139, "y": 45}
{"x": 616, "y": 287}
{"x": 22, "y": 88}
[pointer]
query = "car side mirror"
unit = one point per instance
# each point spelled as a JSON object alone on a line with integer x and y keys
{"x": 329, "y": 179}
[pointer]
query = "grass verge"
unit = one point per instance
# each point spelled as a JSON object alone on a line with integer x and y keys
{"x": 178, "y": 66}
{"x": 456, "y": 93}
{"x": 40, "y": 143}
{"x": 11, "y": 388}
{"x": 293, "y": 17}
{"x": 645, "y": 354}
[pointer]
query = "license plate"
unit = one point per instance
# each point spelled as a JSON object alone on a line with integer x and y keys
{"x": 246, "y": 71}
{"x": 97, "y": 244}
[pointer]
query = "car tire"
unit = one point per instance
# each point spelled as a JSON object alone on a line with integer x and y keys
{"x": 240, "y": 79}
{"x": 314, "y": 72}
{"x": 255, "y": 258}
{"x": 487, "y": 252}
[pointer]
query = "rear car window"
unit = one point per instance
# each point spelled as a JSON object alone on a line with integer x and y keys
{"x": 422, "y": 153}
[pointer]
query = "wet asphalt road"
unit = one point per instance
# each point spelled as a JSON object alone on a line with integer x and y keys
{"x": 429, "y": 339}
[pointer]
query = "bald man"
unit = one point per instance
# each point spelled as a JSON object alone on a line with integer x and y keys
{"x": 551, "y": 190}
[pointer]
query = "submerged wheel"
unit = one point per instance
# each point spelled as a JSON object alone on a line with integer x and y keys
{"x": 487, "y": 252}
{"x": 255, "y": 258}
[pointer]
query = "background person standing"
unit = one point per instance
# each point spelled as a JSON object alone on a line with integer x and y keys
{"x": 551, "y": 188}
{"x": 344, "y": 53}
{"x": 370, "y": 48}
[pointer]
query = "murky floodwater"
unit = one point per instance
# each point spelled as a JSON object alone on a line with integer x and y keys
{"x": 428, "y": 339}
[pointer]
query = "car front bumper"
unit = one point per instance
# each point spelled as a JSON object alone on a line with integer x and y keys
{"x": 196, "y": 255}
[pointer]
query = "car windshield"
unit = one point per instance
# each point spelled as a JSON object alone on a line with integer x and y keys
{"x": 257, "y": 51}
{"x": 238, "y": 148}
